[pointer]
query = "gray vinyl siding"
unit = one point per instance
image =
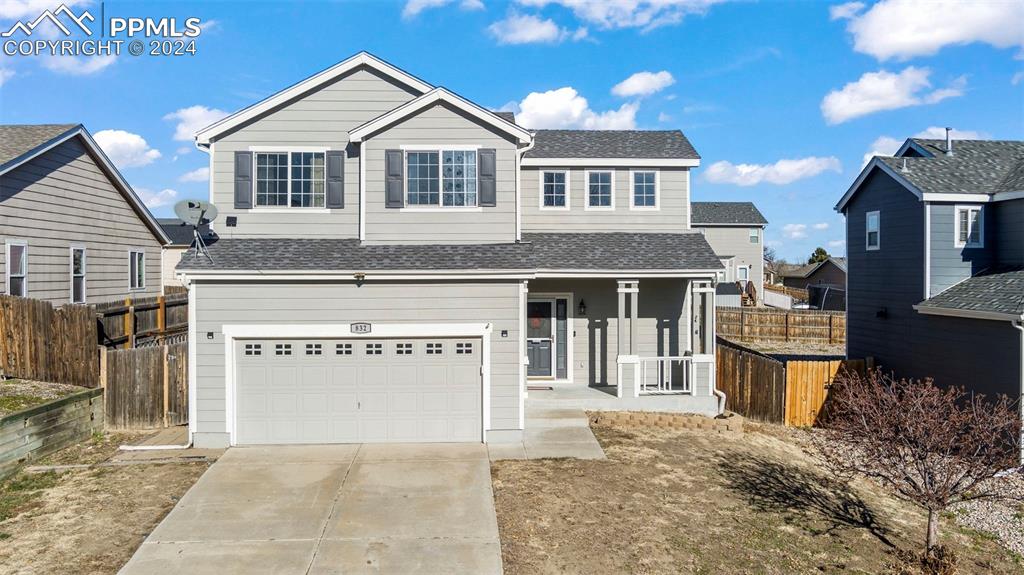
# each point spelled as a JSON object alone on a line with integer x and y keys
{"x": 734, "y": 241}
{"x": 980, "y": 354}
{"x": 1009, "y": 232}
{"x": 321, "y": 118}
{"x": 219, "y": 304}
{"x": 442, "y": 126}
{"x": 663, "y": 329}
{"x": 63, "y": 198}
{"x": 673, "y": 215}
{"x": 951, "y": 265}
{"x": 171, "y": 257}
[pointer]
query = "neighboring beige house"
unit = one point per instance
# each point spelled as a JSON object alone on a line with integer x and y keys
{"x": 395, "y": 263}
{"x": 180, "y": 237}
{"x": 735, "y": 230}
{"x": 72, "y": 229}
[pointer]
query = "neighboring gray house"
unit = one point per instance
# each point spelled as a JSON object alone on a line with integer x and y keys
{"x": 72, "y": 229}
{"x": 735, "y": 231}
{"x": 830, "y": 272}
{"x": 396, "y": 263}
{"x": 935, "y": 248}
{"x": 180, "y": 237}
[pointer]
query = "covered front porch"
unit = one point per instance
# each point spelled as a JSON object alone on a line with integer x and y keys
{"x": 627, "y": 343}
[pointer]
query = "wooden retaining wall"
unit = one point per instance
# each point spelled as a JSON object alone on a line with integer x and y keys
{"x": 763, "y": 324}
{"x": 46, "y": 343}
{"x": 145, "y": 387}
{"x": 38, "y": 431}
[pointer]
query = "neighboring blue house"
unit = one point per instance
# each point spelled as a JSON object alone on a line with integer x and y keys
{"x": 935, "y": 241}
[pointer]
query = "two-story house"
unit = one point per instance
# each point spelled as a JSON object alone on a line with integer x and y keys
{"x": 935, "y": 253}
{"x": 397, "y": 263}
{"x": 735, "y": 231}
{"x": 72, "y": 229}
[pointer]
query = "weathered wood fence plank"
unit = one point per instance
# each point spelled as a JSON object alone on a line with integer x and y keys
{"x": 146, "y": 387}
{"x": 810, "y": 326}
{"x": 42, "y": 342}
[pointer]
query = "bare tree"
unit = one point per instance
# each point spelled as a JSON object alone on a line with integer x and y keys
{"x": 933, "y": 446}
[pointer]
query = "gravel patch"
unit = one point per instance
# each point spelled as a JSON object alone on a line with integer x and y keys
{"x": 19, "y": 394}
{"x": 1003, "y": 518}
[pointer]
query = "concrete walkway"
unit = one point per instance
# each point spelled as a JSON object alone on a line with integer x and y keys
{"x": 332, "y": 509}
{"x": 551, "y": 432}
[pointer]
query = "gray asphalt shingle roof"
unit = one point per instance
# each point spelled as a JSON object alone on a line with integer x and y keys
{"x": 976, "y": 166}
{"x": 997, "y": 292}
{"x": 181, "y": 233}
{"x": 18, "y": 139}
{"x": 653, "y": 144}
{"x": 726, "y": 213}
{"x": 507, "y": 116}
{"x": 567, "y": 251}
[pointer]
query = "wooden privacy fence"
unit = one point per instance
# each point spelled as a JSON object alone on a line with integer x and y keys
{"x": 47, "y": 343}
{"x": 145, "y": 387}
{"x": 795, "y": 293}
{"x": 766, "y": 389}
{"x": 821, "y": 327}
{"x": 133, "y": 321}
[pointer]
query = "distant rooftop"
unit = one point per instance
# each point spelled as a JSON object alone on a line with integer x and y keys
{"x": 726, "y": 213}
{"x": 18, "y": 139}
{"x": 654, "y": 144}
{"x": 976, "y": 166}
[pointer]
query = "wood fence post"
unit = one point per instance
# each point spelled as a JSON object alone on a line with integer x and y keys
{"x": 129, "y": 324}
{"x": 103, "y": 367}
{"x": 743, "y": 324}
{"x": 787, "y": 325}
{"x": 167, "y": 381}
{"x": 161, "y": 318}
{"x": 830, "y": 340}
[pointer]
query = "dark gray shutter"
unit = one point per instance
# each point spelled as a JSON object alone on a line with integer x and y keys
{"x": 486, "y": 177}
{"x": 243, "y": 180}
{"x": 335, "y": 178}
{"x": 393, "y": 180}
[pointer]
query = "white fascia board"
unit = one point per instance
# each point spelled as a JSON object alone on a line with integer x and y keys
{"x": 611, "y": 162}
{"x": 911, "y": 144}
{"x": 877, "y": 163}
{"x": 317, "y": 275}
{"x": 205, "y": 135}
{"x": 967, "y": 313}
{"x": 360, "y": 133}
{"x": 618, "y": 274}
{"x": 344, "y": 330}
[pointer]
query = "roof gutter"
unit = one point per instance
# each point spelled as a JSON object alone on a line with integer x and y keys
{"x": 519, "y": 187}
{"x": 967, "y": 313}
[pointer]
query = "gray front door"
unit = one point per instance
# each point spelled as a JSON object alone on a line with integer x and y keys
{"x": 539, "y": 337}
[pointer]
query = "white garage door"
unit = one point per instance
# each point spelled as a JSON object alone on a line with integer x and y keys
{"x": 358, "y": 390}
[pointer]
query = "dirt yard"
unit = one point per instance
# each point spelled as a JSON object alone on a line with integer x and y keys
{"x": 669, "y": 501}
{"x": 795, "y": 348}
{"x": 87, "y": 521}
{"x": 18, "y": 394}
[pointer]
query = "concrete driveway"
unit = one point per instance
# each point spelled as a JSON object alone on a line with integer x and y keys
{"x": 332, "y": 509}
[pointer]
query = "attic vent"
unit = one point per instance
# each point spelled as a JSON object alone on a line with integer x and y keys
{"x": 949, "y": 141}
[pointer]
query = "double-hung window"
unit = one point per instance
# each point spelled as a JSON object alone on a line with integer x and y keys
{"x": 600, "y": 190}
{"x": 136, "y": 270}
{"x": 77, "y": 275}
{"x": 290, "y": 179}
{"x": 970, "y": 227}
{"x": 442, "y": 178}
{"x": 554, "y": 190}
{"x": 17, "y": 268}
{"x": 873, "y": 230}
{"x": 755, "y": 235}
{"x": 645, "y": 190}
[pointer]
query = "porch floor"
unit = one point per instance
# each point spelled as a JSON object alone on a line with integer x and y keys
{"x": 604, "y": 399}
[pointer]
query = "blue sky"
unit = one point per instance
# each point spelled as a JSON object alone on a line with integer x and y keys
{"x": 782, "y": 100}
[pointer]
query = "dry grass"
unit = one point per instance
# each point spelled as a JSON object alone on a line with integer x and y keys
{"x": 19, "y": 394}
{"x": 701, "y": 502}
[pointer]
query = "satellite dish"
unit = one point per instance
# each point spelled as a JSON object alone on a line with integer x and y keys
{"x": 197, "y": 213}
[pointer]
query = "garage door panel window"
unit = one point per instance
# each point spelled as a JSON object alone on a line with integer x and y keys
{"x": 283, "y": 349}
{"x": 463, "y": 348}
{"x": 403, "y": 349}
{"x": 343, "y": 349}
{"x": 314, "y": 349}
{"x": 435, "y": 348}
{"x": 252, "y": 349}
{"x": 374, "y": 349}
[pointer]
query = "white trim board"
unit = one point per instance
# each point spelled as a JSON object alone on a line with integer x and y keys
{"x": 320, "y": 275}
{"x": 967, "y": 313}
{"x": 233, "y": 332}
{"x": 204, "y": 136}
{"x": 611, "y": 162}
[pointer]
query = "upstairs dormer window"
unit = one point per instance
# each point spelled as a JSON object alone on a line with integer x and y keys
{"x": 442, "y": 178}
{"x": 600, "y": 190}
{"x": 554, "y": 190}
{"x": 970, "y": 227}
{"x": 290, "y": 179}
{"x": 645, "y": 190}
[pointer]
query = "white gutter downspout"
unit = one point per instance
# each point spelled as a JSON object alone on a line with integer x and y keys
{"x": 1019, "y": 324}
{"x": 519, "y": 188}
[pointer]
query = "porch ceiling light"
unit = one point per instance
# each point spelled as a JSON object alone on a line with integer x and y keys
{"x": 583, "y": 307}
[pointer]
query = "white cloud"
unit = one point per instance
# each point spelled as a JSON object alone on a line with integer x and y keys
{"x": 794, "y": 231}
{"x": 882, "y": 146}
{"x": 565, "y": 108}
{"x": 414, "y": 7}
{"x": 5, "y": 75}
{"x": 645, "y": 14}
{"x": 125, "y": 149}
{"x": 820, "y": 226}
{"x": 837, "y": 244}
{"x": 77, "y": 65}
{"x": 16, "y": 9}
{"x": 663, "y": 117}
{"x": 1017, "y": 78}
{"x": 887, "y": 146}
{"x": 196, "y": 175}
{"x": 527, "y": 29}
{"x": 903, "y": 29}
{"x": 845, "y": 11}
{"x": 779, "y": 173}
{"x": 153, "y": 199}
{"x": 208, "y": 26}
{"x": 643, "y": 84}
{"x": 882, "y": 90}
{"x": 192, "y": 119}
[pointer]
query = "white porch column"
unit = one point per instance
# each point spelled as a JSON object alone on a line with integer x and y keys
{"x": 524, "y": 290}
{"x": 627, "y": 353}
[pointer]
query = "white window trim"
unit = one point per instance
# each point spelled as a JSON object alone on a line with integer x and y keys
{"x": 586, "y": 191}
{"x": 756, "y": 235}
{"x": 657, "y": 192}
{"x": 131, "y": 278}
{"x": 440, "y": 207}
{"x": 956, "y": 226}
{"x": 71, "y": 273}
{"x": 287, "y": 150}
{"x": 540, "y": 191}
{"x": 7, "y": 263}
{"x": 867, "y": 230}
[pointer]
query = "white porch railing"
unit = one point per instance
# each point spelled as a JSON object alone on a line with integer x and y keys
{"x": 665, "y": 374}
